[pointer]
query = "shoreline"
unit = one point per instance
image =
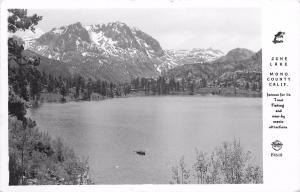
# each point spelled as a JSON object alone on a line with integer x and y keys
{"x": 203, "y": 92}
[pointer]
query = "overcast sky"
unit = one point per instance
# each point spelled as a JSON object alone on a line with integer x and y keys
{"x": 177, "y": 28}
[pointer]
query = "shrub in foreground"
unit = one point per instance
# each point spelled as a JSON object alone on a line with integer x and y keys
{"x": 228, "y": 163}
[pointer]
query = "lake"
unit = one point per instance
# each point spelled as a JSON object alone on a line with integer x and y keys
{"x": 166, "y": 127}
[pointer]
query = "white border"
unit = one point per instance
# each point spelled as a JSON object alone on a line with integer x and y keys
{"x": 3, "y": 101}
{"x": 283, "y": 175}
{"x": 284, "y": 171}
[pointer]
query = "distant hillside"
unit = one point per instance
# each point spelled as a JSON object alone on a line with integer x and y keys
{"x": 238, "y": 66}
{"x": 239, "y": 59}
{"x": 236, "y": 54}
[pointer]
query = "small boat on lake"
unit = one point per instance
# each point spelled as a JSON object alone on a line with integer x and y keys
{"x": 140, "y": 152}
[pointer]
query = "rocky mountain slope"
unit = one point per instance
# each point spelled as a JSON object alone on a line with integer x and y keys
{"x": 50, "y": 66}
{"x": 174, "y": 58}
{"x": 237, "y": 66}
{"x": 239, "y": 59}
{"x": 113, "y": 51}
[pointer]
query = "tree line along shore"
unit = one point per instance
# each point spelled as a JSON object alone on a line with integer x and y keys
{"x": 52, "y": 89}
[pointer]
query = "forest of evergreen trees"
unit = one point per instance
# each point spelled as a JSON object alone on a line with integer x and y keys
{"x": 80, "y": 88}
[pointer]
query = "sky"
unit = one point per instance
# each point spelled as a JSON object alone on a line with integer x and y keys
{"x": 175, "y": 28}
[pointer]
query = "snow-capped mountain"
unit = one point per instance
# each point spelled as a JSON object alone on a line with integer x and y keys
{"x": 173, "y": 58}
{"x": 112, "y": 39}
{"x": 112, "y": 51}
{"x": 117, "y": 37}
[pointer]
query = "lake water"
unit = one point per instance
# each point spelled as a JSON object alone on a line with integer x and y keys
{"x": 165, "y": 127}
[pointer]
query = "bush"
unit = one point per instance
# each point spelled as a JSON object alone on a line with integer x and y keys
{"x": 181, "y": 174}
{"x": 228, "y": 163}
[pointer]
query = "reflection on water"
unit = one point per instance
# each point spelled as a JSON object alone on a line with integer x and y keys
{"x": 109, "y": 131}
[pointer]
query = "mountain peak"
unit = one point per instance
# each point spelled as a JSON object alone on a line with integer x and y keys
{"x": 117, "y": 23}
{"x": 75, "y": 25}
{"x": 242, "y": 52}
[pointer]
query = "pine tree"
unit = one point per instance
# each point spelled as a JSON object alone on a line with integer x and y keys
{"x": 19, "y": 20}
{"x": 63, "y": 91}
{"x": 21, "y": 70}
{"x": 89, "y": 87}
{"x": 247, "y": 85}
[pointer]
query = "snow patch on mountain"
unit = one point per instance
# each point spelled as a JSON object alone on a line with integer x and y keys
{"x": 59, "y": 31}
{"x": 178, "y": 57}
